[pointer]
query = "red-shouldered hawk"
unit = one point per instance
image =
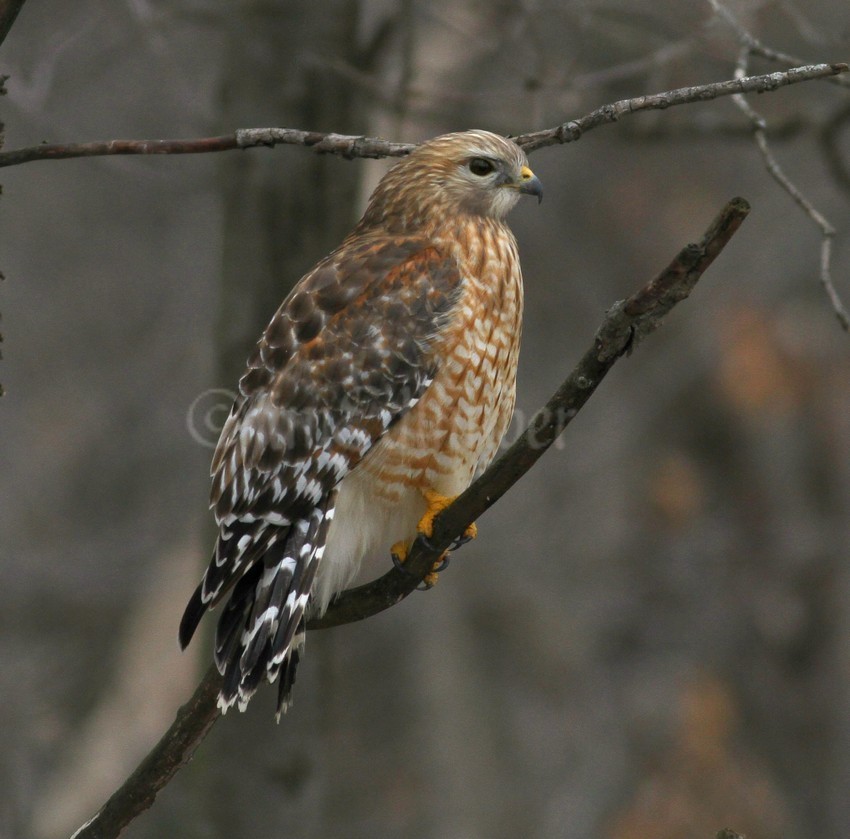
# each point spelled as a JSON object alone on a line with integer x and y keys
{"x": 385, "y": 379}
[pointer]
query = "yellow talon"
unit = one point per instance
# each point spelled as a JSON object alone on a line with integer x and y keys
{"x": 436, "y": 504}
{"x": 430, "y": 579}
{"x": 399, "y": 551}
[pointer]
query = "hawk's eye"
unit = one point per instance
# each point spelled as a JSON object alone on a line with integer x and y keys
{"x": 480, "y": 166}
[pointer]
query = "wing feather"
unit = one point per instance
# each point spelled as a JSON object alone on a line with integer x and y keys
{"x": 353, "y": 355}
{"x": 348, "y": 353}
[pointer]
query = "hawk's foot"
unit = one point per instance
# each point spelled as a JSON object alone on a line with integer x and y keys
{"x": 436, "y": 504}
{"x": 399, "y": 552}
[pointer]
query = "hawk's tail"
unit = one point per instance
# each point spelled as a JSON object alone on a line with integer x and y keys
{"x": 260, "y": 633}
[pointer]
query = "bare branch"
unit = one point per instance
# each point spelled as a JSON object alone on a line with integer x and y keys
{"x": 344, "y": 145}
{"x": 759, "y": 128}
{"x": 756, "y": 47}
{"x": 351, "y": 146}
{"x": 571, "y": 131}
{"x": 341, "y": 144}
{"x": 834, "y": 151}
{"x": 658, "y": 58}
{"x": 8, "y": 12}
{"x": 625, "y": 323}
{"x": 193, "y": 722}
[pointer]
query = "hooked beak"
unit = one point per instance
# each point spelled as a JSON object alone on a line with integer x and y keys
{"x": 529, "y": 183}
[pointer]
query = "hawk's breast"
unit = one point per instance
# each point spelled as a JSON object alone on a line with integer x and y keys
{"x": 456, "y": 426}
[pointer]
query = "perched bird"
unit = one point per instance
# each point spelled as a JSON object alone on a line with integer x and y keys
{"x": 382, "y": 383}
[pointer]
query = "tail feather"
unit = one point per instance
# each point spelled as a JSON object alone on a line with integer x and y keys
{"x": 228, "y": 633}
{"x": 285, "y": 635}
{"x": 261, "y": 631}
{"x": 286, "y": 680}
{"x": 280, "y": 577}
{"x": 195, "y": 610}
{"x": 230, "y": 685}
{"x": 239, "y": 545}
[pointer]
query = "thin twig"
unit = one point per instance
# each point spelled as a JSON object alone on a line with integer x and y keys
{"x": 658, "y": 58}
{"x": 834, "y": 150}
{"x": 756, "y": 47}
{"x": 759, "y": 128}
{"x": 570, "y": 131}
{"x": 624, "y": 324}
{"x": 350, "y": 146}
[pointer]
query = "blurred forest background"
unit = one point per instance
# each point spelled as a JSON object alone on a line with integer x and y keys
{"x": 651, "y": 636}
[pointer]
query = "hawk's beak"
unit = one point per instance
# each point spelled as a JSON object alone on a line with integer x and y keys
{"x": 529, "y": 183}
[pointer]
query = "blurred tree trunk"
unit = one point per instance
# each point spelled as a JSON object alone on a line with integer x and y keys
{"x": 285, "y": 209}
{"x": 282, "y": 211}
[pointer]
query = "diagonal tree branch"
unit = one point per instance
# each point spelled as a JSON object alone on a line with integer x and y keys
{"x": 570, "y": 131}
{"x": 8, "y": 12}
{"x": 624, "y": 325}
{"x": 349, "y": 146}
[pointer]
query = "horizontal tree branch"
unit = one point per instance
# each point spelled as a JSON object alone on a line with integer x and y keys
{"x": 624, "y": 325}
{"x": 350, "y": 146}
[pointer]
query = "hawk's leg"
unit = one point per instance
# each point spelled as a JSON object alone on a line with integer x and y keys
{"x": 436, "y": 504}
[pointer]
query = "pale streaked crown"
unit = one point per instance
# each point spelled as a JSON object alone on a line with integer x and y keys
{"x": 470, "y": 172}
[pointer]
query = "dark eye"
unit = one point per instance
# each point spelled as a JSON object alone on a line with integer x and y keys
{"x": 480, "y": 166}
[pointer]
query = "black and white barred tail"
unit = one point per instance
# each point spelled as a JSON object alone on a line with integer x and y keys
{"x": 260, "y": 634}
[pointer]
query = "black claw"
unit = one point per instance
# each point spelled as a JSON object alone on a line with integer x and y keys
{"x": 399, "y": 564}
{"x": 460, "y": 542}
{"x": 439, "y": 566}
{"x": 426, "y": 542}
{"x": 443, "y": 562}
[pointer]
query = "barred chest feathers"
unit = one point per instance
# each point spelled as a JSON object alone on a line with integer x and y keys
{"x": 454, "y": 429}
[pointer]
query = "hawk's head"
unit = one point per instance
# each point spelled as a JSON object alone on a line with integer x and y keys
{"x": 469, "y": 172}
